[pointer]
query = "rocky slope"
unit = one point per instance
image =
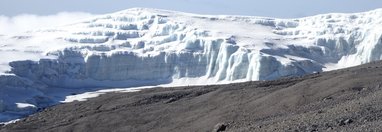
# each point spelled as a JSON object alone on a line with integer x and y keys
{"x": 341, "y": 100}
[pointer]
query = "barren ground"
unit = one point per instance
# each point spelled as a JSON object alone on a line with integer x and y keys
{"x": 342, "y": 100}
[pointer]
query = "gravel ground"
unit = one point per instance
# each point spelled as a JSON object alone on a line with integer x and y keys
{"x": 342, "y": 100}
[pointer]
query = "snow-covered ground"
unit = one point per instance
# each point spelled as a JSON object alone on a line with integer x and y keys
{"x": 150, "y": 47}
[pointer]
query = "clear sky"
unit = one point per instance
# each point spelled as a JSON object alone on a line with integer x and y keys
{"x": 271, "y": 8}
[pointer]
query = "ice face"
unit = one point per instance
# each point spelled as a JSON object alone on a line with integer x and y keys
{"x": 139, "y": 47}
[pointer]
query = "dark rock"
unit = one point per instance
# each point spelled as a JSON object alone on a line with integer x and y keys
{"x": 358, "y": 88}
{"x": 220, "y": 127}
{"x": 320, "y": 111}
{"x": 348, "y": 121}
{"x": 312, "y": 128}
{"x": 328, "y": 98}
{"x": 231, "y": 40}
{"x": 345, "y": 122}
{"x": 170, "y": 100}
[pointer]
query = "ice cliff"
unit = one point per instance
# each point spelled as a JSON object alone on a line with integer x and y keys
{"x": 138, "y": 47}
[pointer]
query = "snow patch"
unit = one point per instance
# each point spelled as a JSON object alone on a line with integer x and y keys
{"x": 25, "y": 105}
{"x": 88, "y": 95}
{"x": 9, "y": 122}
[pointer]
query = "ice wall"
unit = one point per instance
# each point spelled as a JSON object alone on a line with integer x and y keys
{"x": 217, "y": 60}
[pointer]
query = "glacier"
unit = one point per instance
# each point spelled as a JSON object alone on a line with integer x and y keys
{"x": 150, "y": 47}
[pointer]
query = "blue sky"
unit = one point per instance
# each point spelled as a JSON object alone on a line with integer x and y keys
{"x": 271, "y": 8}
